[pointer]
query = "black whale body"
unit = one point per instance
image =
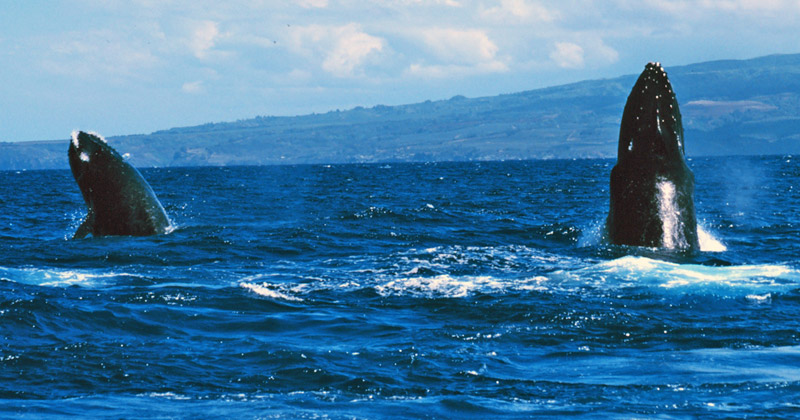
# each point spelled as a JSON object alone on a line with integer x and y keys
{"x": 652, "y": 188}
{"x": 119, "y": 200}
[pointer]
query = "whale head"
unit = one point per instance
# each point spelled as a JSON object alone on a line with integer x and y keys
{"x": 91, "y": 160}
{"x": 651, "y": 125}
{"x": 119, "y": 200}
{"x": 87, "y": 150}
{"x": 652, "y": 187}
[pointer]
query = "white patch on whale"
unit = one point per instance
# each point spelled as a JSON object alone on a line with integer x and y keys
{"x": 669, "y": 213}
{"x": 84, "y": 157}
{"x": 75, "y": 139}
{"x": 101, "y": 138}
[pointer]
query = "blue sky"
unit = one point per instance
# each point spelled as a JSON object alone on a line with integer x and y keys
{"x": 136, "y": 66}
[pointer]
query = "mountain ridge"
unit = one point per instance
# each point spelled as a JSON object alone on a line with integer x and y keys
{"x": 745, "y": 107}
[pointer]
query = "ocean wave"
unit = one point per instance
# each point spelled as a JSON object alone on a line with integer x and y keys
{"x": 437, "y": 287}
{"x": 272, "y": 291}
{"x": 436, "y": 272}
{"x": 755, "y": 282}
{"x": 439, "y": 273}
{"x": 456, "y": 286}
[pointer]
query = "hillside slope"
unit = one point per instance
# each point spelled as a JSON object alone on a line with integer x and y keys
{"x": 729, "y": 107}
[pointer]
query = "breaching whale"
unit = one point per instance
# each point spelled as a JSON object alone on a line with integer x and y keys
{"x": 119, "y": 200}
{"x": 652, "y": 188}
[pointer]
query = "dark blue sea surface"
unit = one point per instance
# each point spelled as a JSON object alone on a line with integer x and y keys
{"x": 446, "y": 290}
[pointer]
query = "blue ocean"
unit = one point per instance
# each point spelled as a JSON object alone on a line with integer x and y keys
{"x": 405, "y": 291}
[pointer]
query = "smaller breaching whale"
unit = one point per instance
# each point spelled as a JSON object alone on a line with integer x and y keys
{"x": 652, "y": 188}
{"x": 119, "y": 200}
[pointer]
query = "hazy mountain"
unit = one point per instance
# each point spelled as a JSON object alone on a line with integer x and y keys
{"x": 729, "y": 107}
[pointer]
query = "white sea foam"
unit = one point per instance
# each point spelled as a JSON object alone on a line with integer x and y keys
{"x": 166, "y": 395}
{"x": 756, "y": 283}
{"x": 450, "y": 272}
{"x": 271, "y": 291}
{"x": 709, "y": 243}
{"x": 766, "y": 298}
{"x": 57, "y": 277}
{"x": 594, "y": 236}
{"x": 741, "y": 280}
{"x": 447, "y": 286}
{"x": 442, "y": 286}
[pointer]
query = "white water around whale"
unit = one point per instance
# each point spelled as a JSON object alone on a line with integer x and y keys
{"x": 673, "y": 236}
{"x": 708, "y": 243}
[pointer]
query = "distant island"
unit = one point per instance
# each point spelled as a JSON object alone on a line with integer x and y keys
{"x": 732, "y": 107}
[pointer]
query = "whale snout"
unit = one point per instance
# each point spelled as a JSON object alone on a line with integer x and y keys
{"x": 83, "y": 146}
{"x": 651, "y": 122}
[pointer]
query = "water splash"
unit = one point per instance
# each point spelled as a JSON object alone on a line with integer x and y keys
{"x": 594, "y": 235}
{"x": 708, "y": 243}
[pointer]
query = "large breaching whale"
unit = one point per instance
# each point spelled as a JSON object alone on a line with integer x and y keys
{"x": 119, "y": 200}
{"x": 652, "y": 188}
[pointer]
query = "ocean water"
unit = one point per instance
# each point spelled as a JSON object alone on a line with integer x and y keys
{"x": 446, "y": 290}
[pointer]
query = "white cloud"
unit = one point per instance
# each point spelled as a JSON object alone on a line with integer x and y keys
{"x": 310, "y": 4}
{"x": 454, "y": 53}
{"x": 245, "y": 39}
{"x": 202, "y": 38}
{"x": 749, "y": 5}
{"x": 193, "y": 87}
{"x": 673, "y": 7}
{"x": 351, "y": 48}
{"x": 599, "y": 52}
{"x": 458, "y": 46}
{"x": 99, "y": 52}
{"x": 345, "y": 48}
{"x": 317, "y": 53}
{"x": 438, "y": 71}
{"x": 701, "y": 7}
{"x": 575, "y": 55}
{"x": 520, "y": 10}
{"x": 451, "y": 3}
{"x": 568, "y": 55}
